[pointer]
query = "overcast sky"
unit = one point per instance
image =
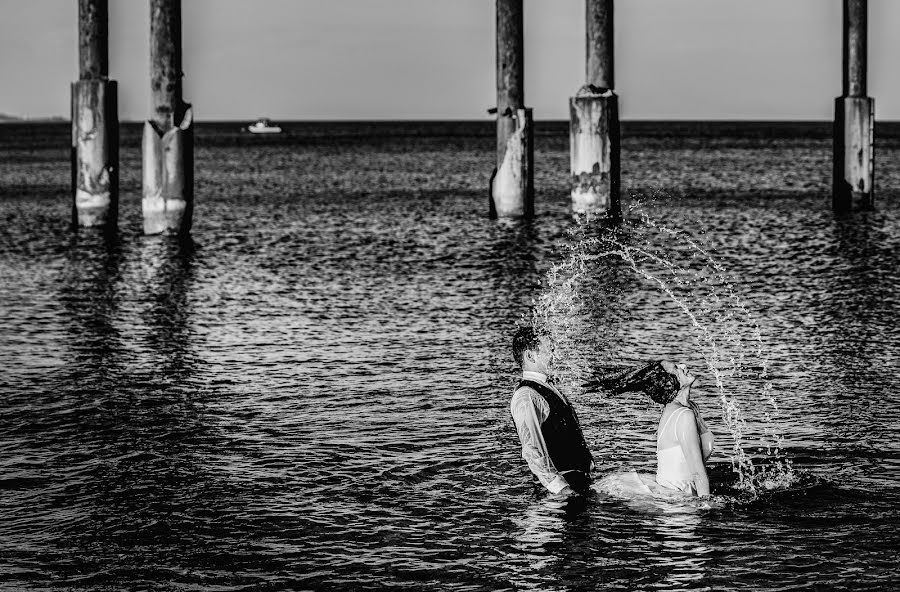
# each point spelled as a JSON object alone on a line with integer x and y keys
{"x": 434, "y": 59}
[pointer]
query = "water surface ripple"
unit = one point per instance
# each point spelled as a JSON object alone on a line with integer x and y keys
{"x": 314, "y": 393}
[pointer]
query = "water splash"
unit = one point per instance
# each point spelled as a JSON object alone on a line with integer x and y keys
{"x": 724, "y": 330}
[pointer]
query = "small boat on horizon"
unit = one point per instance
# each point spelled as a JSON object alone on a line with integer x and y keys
{"x": 264, "y": 126}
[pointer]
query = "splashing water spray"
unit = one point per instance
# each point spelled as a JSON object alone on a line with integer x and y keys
{"x": 726, "y": 332}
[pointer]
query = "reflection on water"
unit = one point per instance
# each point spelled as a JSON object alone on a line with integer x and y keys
{"x": 515, "y": 250}
{"x": 862, "y": 290}
{"x": 134, "y": 477}
{"x": 543, "y": 528}
{"x": 167, "y": 268}
{"x": 681, "y": 551}
{"x": 89, "y": 292}
{"x": 315, "y": 395}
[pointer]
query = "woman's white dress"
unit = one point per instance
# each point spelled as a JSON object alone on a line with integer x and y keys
{"x": 673, "y": 475}
{"x": 672, "y": 470}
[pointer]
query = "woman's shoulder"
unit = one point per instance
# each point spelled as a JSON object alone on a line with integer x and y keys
{"x": 685, "y": 418}
{"x": 676, "y": 410}
{"x": 672, "y": 416}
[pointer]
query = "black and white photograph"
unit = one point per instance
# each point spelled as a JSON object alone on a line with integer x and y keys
{"x": 463, "y": 295}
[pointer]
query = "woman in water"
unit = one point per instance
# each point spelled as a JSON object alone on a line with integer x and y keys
{"x": 683, "y": 441}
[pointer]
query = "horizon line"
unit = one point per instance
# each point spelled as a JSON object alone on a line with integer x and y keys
{"x": 10, "y": 119}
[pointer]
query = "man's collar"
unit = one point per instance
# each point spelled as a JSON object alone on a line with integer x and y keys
{"x": 536, "y": 376}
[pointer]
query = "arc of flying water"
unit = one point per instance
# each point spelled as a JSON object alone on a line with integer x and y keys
{"x": 749, "y": 477}
{"x": 734, "y": 420}
{"x": 782, "y": 468}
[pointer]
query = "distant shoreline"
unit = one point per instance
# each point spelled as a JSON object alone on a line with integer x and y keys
{"x": 60, "y": 119}
{"x": 4, "y": 118}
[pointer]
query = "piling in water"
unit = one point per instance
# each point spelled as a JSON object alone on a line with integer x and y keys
{"x": 95, "y": 123}
{"x": 512, "y": 187}
{"x": 854, "y": 118}
{"x": 168, "y": 147}
{"x": 594, "y": 140}
{"x": 594, "y": 145}
{"x": 515, "y": 177}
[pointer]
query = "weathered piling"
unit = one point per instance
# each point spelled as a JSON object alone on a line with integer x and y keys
{"x": 854, "y": 118}
{"x": 594, "y": 139}
{"x": 168, "y": 154}
{"x": 95, "y": 123}
{"x": 512, "y": 187}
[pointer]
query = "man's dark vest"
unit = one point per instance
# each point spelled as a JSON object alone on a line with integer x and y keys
{"x": 562, "y": 433}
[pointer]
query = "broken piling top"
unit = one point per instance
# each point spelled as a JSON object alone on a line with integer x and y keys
{"x": 168, "y": 143}
{"x": 168, "y": 178}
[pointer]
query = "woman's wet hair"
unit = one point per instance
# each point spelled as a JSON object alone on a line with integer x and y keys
{"x": 651, "y": 379}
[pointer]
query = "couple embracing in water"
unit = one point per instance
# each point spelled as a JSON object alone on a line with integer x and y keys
{"x": 555, "y": 449}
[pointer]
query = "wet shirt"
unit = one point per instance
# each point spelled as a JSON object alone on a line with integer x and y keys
{"x": 529, "y": 411}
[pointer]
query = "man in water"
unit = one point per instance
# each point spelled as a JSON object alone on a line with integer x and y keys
{"x": 552, "y": 442}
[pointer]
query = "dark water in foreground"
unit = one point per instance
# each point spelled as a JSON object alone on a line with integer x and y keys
{"x": 314, "y": 394}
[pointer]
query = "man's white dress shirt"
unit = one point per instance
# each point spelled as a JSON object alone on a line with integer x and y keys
{"x": 529, "y": 410}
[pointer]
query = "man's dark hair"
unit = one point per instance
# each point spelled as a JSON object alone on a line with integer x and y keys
{"x": 525, "y": 339}
{"x": 651, "y": 379}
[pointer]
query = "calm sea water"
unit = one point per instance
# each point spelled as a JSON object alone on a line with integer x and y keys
{"x": 314, "y": 393}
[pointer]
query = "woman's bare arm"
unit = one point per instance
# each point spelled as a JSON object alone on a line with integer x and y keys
{"x": 689, "y": 439}
{"x": 706, "y": 447}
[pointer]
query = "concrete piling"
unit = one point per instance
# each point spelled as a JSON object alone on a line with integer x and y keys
{"x": 95, "y": 123}
{"x": 854, "y": 118}
{"x": 168, "y": 146}
{"x": 512, "y": 187}
{"x": 594, "y": 138}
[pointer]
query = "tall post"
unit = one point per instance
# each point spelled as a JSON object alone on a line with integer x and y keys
{"x": 512, "y": 186}
{"x": 95, "y": 123}
{"x": 594, "y": 140}
{"x": 854, "y": 119}
{"x": 168, "y": 143}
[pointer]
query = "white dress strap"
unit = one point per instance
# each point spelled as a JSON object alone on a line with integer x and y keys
{"x": 668, "y": 419}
